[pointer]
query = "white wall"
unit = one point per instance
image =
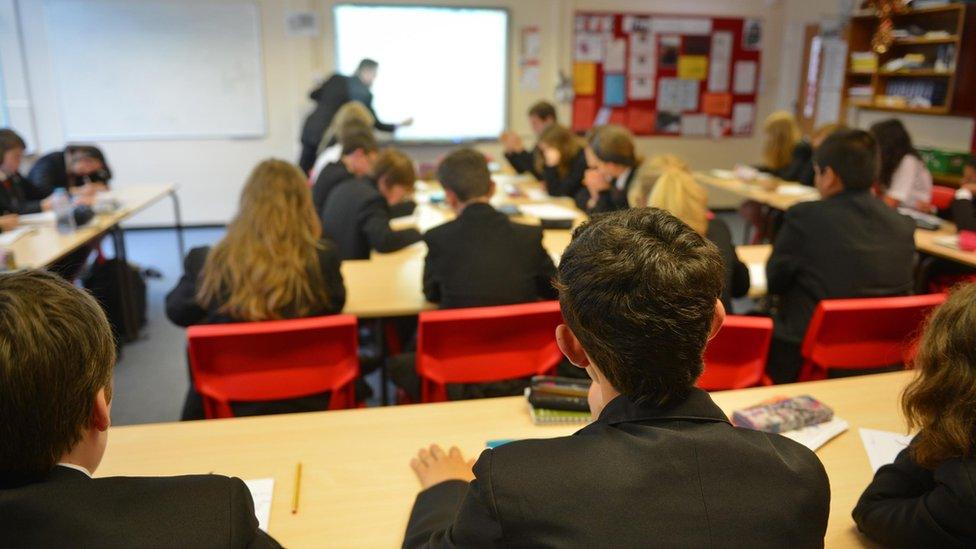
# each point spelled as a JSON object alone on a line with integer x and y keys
{"x": 211, "y": 172}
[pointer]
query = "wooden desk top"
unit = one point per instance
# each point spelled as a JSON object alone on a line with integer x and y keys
{"x": 925, "y": 242}
{"x": 785, "y": 196}
{"x": 46, "y": 245}
{"x": 357, "y": 487}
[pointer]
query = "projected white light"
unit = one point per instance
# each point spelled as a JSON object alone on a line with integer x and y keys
{"x": 444, "y": 67}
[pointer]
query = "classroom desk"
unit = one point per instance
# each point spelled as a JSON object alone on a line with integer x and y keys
{"x": 357, "y": 487}
{"x": 925, "y": 242}
{"x": 46, "y": 245}
{"x": 785, "y": 196}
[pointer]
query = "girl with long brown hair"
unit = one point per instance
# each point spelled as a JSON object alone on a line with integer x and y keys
{"x": 562, "y": 162}
{"x": 272, "y": 264}
{"x": 927, "y": 497}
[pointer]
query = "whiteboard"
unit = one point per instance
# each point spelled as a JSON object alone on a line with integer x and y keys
{"x": 450, "y": 76}
{"x": 156, "y": 69}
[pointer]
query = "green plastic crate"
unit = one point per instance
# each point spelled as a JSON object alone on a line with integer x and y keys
{"x": 944, "y": 162}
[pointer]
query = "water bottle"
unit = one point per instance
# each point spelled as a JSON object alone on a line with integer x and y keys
{"x": 63, "y": 211}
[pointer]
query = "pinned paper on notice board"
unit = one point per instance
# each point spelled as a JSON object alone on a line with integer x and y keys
{"x": 719, "y": 104}
{"x": 742, "y": 117}
{"x": 584, "y": 111}
{"x": 640, "y": 120}
{"x": 642, "y": 55}
{"x": 641, "y": 87}
{"x": 588, "y": 47}
{"x": 745, "y": 77}
{"x": 614, "y": 93}
{"x": 616, "y": 56}
{"x": 584, "y": 78}
{"x": 719, "y": 67}
{"x": 677, "y": 95}
{"x": 693, "y": 67}
{"x": 694, "y": 125}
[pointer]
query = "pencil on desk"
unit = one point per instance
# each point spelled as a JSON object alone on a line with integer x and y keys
{"x": 298, "y": 486}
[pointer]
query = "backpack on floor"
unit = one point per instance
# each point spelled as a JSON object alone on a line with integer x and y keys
{"x": 105, "y": 281}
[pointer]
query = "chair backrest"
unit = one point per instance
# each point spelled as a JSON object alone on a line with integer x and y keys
{"x": 274, "y": 360}
{"x": 942, "y": 197}
{"x": 736, "y": 357}
{"x": 485, "y": 344}
{"x": 865, "y": 333}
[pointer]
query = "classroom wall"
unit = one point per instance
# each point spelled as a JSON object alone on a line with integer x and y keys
{"x": 211, "y": 172}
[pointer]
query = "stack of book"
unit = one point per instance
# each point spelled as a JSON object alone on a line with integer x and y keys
{"x": 558, "y": 400}
{"x": 864, "y": 61}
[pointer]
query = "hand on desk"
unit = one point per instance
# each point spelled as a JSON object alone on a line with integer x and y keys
{"x": 511, "y": 142}
{"x": 8, "y": 222}
{"x": 434, "y": 466}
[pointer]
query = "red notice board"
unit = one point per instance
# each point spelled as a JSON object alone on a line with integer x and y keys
{"x": 689, "y": 76}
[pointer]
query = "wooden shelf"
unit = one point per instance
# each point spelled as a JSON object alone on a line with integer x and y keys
{"x": 861, "y": 73}
{"x": 939, "y": 110}
{"x": 922, "y": 41}
{"x": 909, "y": 13}
{"x": 916, "y": 73}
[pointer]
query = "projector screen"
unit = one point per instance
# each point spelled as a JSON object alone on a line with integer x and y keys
{"x": 444, "y": 67}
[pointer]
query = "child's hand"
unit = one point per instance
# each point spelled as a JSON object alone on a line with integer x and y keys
{"x": 551, "y": 156}
{"x": 434, "y": 466}
{"x": 8, "y": 222}
{"x": 595, "y": 182}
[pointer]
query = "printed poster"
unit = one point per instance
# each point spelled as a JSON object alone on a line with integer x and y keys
{"x": 745, "y": 77}
{"x": 676, "y": 95}
{"x": 742, "y": 117}
{"x": 588, "y": 47}
{"x": 642, "y": 55}
{"x": 719, "y": 67}
{"x": 692, "y": 67}
{"x": 616, "y": 56}
{"x": 641, "y": 87}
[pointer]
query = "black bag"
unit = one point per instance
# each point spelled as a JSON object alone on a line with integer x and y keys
{"x": 106, "y": 281}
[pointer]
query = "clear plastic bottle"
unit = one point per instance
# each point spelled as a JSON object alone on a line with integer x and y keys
{"x": 63, "y": 211}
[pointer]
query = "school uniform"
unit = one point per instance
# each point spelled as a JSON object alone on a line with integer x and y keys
{"x": 800, "y": 167}
{"x": 849, "y": 245}
{"x": 525, "y": 161}
{"x": 568, "y": 184}
{"x": 640, "y": 475}
{"x": 963, "y": 210}
{"x": 357, "y": 218}
{"x": 611, "y": 200}
{"x": 907, "y": 505}
{"x": 50, "y": 172}
{"x": 18, "y": 196}
{"x": 911, "y": 183}
{"x": 328, "y": 179}
{"x": 736, "y": 272}
{"x": 183, "y": 309}
{"x": 68, "y": 508}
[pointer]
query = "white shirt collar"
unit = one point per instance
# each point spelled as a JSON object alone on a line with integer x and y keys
{"x": 621, "y": 182}
{"x": 78, "y": 468}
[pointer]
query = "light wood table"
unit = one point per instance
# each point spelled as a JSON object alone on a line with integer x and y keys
{"x": 45, "y": 245}
{"x": 357, "y": 487}
{"x": 782, "y": 198}
{"x": 925, "y": 242}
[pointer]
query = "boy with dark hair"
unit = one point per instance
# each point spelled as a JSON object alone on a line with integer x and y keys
{"x": 542, "y": 114}
{"x": 964, "y": 206}
{"x": 17, "y": 195}
{"x": 357, "y": 214}
{"x": 849, "y": 244}
{"x": 57, "y": 355}
{"x": 359, "y": 150}
{"x": 661, "y": 464}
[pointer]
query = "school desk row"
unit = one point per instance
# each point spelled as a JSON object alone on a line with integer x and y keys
{"x": 356, "y": 485}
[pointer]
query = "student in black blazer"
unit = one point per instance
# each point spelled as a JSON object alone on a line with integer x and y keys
{"x": 357, "y": 215}
{"x": 850, "y": 244}
{"x": 661, "y": 465}
{"x": 359, "y": 150}
{"x": 17, "y": 195}
{"x": 81, "y": 169}
{"x": 614, "y": 169}
{"x": 542, "y": 114}
{"x": 271, "y": 265}
{"x": 927, "y": 497}
{"x": 563, "y": 161}
{"x": 55, "y": 405}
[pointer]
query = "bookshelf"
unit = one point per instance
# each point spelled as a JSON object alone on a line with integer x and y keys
{"x": 953, "y": 91}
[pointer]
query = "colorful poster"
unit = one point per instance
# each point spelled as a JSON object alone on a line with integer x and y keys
{"x": 616, "y": 56}
{"x": 718, "y": 104}
{"x": 677, "y": 95}
{"x": 692, "y": 67}
{"x": 614, "y": 90}
{"x": 588, "y": 47}
{"x": 720, "y": 64}
{"x": 641, "y": 87}
{"x": 584, "y": 78}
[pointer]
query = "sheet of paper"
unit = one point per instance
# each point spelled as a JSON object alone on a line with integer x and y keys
{"x": 718, "y": 104}
{"x": 7, "y": 238}
{"x": 38, "y": 219}
{"x": 548, "y": 211}
{"x": 721, "y": 58}
{"x": 584, "y": 78}
{"x": 693, "y": 67}
{"x": 948, "y": 241}
{"x": 883, "y": 446}
{"x": 602, "y": 116}
{"x": 262, "y": 490}
{"x": 694, "y": 125}
{"x": 614, "y": 90}
{"x": 677, "y": 95}
{"x": 751, "y": 34}
{"x": 615, "y": 60}
{"x": 642, "y": 55}
{"x": 640, "y": 87}
{"x": 718, "y": 127}
{"x": 742, "y": 117}
{"x": 530, "y": 78}
{"x": 668, "y": 52}
{"x": 584, "y": 111}
{"x": 757, "y": 278}
{"x": 682, "y": 25}
{"x": 640, "y": 120}
{"x": 745, "y": 77}
{"x": 815, "y": 436}
{"x": 588, "y": 48}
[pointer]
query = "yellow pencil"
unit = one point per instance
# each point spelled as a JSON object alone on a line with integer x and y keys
{"x": 298, "y": 486}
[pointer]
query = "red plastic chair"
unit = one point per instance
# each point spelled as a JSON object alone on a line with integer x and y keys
{"x": 736, "y": 357}
{"x": 942, "y": 197}
{"x": 274, "y": 360}
{"x": 485, "y": 344}
{"x": 863, "y": 334}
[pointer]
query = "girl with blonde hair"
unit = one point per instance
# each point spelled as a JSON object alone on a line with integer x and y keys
{"x": 677, "y": 192}
{"x": 272, "y": 264}
{"x": 352, "y": 115}
{"x": 785, "y": 154}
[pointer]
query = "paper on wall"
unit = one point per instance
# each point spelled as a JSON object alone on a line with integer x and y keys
{"x": 742, "y": 117}
{"x": 681, "y": 25}
{"x": 717, "y": 128}
{"x": 677, "y": 95}
{"x": 262, "y": 490}
{"x": 530, "y": 77}
{"x": 615, "y": 60}
{"x": 721, "y": 57}
{"x": 693, "y": 67}
{"x": 745, "y": 77}
{"x": 718, "y": 104}
{"x": 584, "y": 78}
{"x": 614, "y": 90}
{"x": 588, "y": 47}
{"x": 694, "y": 125}
{"x": 641, "y": 87}
{"x": 883, "y": 446}
{"x": 642, "y": 55}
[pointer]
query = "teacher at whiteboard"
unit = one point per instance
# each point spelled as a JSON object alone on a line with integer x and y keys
{"x": 334, "y": 93}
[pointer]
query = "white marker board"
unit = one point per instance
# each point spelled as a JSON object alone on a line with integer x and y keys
{"x": 157, "y": 69}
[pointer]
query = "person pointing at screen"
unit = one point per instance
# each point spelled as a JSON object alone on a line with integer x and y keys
{"x": 333, "y": 94}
